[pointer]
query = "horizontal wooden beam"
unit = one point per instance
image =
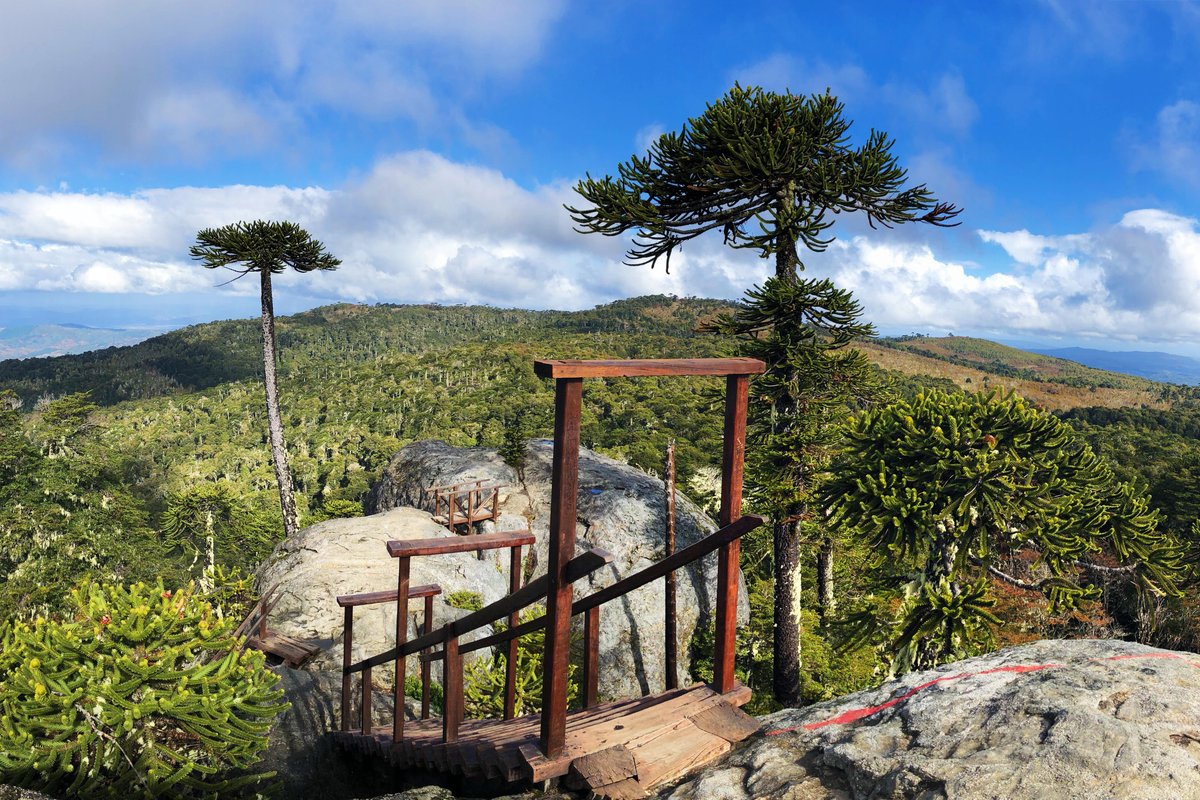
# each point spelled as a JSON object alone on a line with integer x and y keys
{"x": 637, "y": 580}
{"x": 648, "y": 367}
{"x": 389, "y": 596}
{"x": 408, "y": 548}
{"x": 578, "y": 567}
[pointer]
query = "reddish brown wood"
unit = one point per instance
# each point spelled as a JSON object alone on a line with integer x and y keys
{"x": 568, "y": 393}
{"x": 671, "y": 654}
{"x": 365, "y": 710}
{"x": 452, "y": 687}
{"x": 737, "y": 388}
{"x": 347, "y": 644}
{"x": 371, "y": 598}
{"x": 514, "y": 618}
{"x": 401, "y": 637}
{"x": 646, "y": 367}
{"x": 425, "y": 664}
{"x": 591, "y": 656}
{"x": 408, "y": 548}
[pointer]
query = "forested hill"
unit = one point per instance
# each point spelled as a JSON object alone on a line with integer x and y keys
{"x": 203, "y": 356}
{"x": 207, "y": 355}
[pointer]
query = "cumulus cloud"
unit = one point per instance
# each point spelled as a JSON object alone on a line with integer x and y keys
{"x": 421, "y": 228}
{"x": 173, "y": 80}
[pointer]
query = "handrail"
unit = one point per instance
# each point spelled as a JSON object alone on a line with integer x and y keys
{"x": 647, "y": 367}
{"x": 583, "y": 564}
{"x": 471, "y": 486}
{"x": 637, "y": 580}
{"x": 407, "y": 548}
{"x": 389, "y": 596}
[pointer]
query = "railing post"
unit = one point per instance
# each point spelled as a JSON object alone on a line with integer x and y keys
{"x": 514, "y": 619}
{"x": 365, "y": 711}
{"x": 452, "y": 688}
{"x": 347, "y": 678}
{"x": 401, "y": 638}
{"x": 737, "y": 388}
{"x": 568, "y": 394}
{"x": 425, "y": 664}
{"x": 591, "y": 655}
{"x": 671, "y": 652}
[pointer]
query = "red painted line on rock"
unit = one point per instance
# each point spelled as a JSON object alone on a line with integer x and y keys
{"x": 855, "y": 714}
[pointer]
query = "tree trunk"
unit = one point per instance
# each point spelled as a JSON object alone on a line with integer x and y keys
{"x": 786, "y": 666}
{"x": 825, "y": 599}
{"x": 283, "y": 475}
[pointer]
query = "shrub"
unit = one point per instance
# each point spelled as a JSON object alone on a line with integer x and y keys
{"x": 483, "y": 678}
{"x": 139, "y": 692}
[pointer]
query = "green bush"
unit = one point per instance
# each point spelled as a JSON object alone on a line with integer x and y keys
{"x": 138, "y": 692}
{"x": 465, "y": 600}
{"x": 483, "y": 678}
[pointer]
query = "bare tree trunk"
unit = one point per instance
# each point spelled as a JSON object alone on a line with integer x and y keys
{"x": 786, "y": 665}
{"x": 672, "y": 642}
{"x": 825, "y": 599}
{"x": 283, "y": 475}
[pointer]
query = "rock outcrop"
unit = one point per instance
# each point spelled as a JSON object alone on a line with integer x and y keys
{"x": 1053, "y": 719}
{"x": 620, "y": 509}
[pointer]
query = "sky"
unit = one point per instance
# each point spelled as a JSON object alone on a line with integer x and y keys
{"x": 431, "y": 145}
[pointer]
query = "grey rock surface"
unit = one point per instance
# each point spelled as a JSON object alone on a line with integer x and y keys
{"x": 620, "y": 509}
{"x": 1053, "y": 719}
{"x": 349, "y": 556}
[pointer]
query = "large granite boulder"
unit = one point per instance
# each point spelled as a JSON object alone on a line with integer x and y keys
{"x": 620, "y": 509}
{"x": 1053, "y": 719}
{"x": 349, "y": 556}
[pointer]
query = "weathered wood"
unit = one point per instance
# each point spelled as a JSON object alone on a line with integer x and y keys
{"x": 408, "y": 548}
{"x": 514, "y": 619}
{"x": 583, "y": 564}
{"x": 732, "y": 462}
{"x": 591, "y": 656}
{"x": 628, "y": 789}
{"x": 597, "y": 770}
{"x": 388, "y": 596}
{"x": 347, "y": 647}
{"x": 365, "y": 709}
{"x": 564, "y": 480}
{"x": 425, "y": 667}
{"x": 452, "y": 687}
{"x": 647, "y": 367}
{"x": 629, "y": 583}
{"x": 401, "y": 637}
{"x": 729, "y": 722}
{"x": 293, "y": 652}
{"x": 671, "y": 645}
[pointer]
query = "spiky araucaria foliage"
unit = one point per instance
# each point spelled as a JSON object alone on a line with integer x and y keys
{"x": 963, "y": 488}
{"x": 141, "y": 692}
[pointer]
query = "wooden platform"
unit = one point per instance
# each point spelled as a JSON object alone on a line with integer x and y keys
{"x": 617, "y": 750}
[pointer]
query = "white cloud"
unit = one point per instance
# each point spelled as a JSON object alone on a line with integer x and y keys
{"x": 1173, "y": 147}
{"x": 159, "y": 79}
{"x": 421, "y": 228}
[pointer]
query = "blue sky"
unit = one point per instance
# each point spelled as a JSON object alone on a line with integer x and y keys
{"x": 431, "y": 145}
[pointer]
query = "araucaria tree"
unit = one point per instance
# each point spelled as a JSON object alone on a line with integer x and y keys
{"x": 267, "y": 248}
{"x": 956, "y": 491}
{"x": 771, "y": 172}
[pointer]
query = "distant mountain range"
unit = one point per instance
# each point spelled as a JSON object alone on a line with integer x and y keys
{"x": 38, "y": 341}
{"x": 1162, "y": 367}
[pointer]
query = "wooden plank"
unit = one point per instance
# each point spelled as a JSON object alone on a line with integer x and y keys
{"x": 597, "y": 770}
{"x": 401, "y": 637}
{"x": 408, "y": 548}
{"x": 628, "y": 789}
{"x": 347, "y": 646}
{"x": 514, "y": 619}
{"x": 388, "y": 596}
{"x": 729, "y": 722}
{"x": 452, "y": 686}
{"x": 591, "y": 656}
{"x": 647, "y": 367}
{"x": 732, "y": 464}
{"x": 680, "y": 749}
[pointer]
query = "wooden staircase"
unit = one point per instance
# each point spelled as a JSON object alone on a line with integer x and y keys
{"x": 617, "y": 750}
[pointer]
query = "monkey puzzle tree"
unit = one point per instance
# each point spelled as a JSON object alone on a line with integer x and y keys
{"x": 967, "y": 488}
{"x": 771, "y": 172}
{"x": 266, "y": 248}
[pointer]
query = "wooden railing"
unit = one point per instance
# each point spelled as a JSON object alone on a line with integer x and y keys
{"x": 466, "y": 503}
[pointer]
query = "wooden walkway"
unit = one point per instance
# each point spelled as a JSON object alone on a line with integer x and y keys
{"x": 618, "y": 750}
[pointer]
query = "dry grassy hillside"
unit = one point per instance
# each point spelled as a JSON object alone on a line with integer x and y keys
{"x": 975, "y": 364}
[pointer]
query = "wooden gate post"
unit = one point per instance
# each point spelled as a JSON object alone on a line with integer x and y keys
{"x": 737, "y": 392}
{"x": 568, "y": 394}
